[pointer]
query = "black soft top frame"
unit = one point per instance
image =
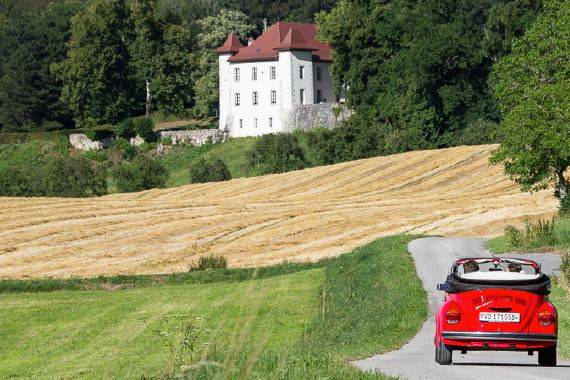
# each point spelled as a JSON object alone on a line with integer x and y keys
{"x": 456, "y": 284}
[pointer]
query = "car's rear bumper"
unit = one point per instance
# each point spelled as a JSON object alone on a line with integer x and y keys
{"x": 497, "y": 341}
{"x": 498, "y": 336}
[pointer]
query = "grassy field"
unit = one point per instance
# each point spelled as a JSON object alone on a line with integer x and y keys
{"x": 296, "y": 216}
{"x": 307, "y": 323}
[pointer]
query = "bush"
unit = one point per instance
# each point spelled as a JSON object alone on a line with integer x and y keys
{"x": 355, "y": 139}
{"x": 514, "y": 236}
{"x": 276, "y": 153}
{"x": 127, "y": 151}
{"x": 144, "y": 127}
{"x": 19, "y": 181}
{"x": 565, "y": 267}
{"x": 125, "y": 129}
{"x": 74, "y": 176}
{"x": 142, "y": 174}
{"x": 98, "y": 134}
{"x": 71, "y": 176}
{"x": 204, "y": 170}
{"x": 209, "y": 262}
{"x": 534, "y": 234}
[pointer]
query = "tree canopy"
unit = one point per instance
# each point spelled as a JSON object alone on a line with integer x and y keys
{"x": 532, "y": 85}
{"x": 420, "y": 68}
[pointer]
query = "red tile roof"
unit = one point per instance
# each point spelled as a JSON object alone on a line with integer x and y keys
{"x": 232, "y": 45}
{"x": 282, "y": 36}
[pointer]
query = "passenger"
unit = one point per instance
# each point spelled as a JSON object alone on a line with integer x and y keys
{"x": 470, "y": 266}
{"x": 515, "y": 267}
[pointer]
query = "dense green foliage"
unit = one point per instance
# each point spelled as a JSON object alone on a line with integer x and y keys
{"x": 209, "y": 170}
{"x": 29, "y": 44}
{"x": 417, "y": 70}
{"x": 144, "y": 127}
{"x": 213, "y": 31}
{"x": 250, "y": 323}
{"x": 533, "y": 88}
{"x": 47, "y": 170}
{"x": 143, "y": 173}
{"x": 276, "y": 153}
{"x": 99, "y": 61}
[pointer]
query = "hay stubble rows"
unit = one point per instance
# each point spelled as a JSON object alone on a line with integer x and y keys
{"x": 303, "y": 215}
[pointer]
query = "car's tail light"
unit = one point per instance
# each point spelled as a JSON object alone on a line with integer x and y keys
{"x": 546, "y": 318}
{"x": 452, "y": 316}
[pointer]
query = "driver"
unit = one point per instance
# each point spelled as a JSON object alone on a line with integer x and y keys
{"x": 470, "y": 266}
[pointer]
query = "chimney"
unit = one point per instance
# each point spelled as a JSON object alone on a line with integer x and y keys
{"x": 250, "y": 41}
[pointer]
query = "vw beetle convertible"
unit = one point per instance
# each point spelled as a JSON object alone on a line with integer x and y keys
{"x": 498, "y": 305}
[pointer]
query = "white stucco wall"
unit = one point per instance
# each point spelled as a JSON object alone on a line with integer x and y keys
{"x": 287, "y": 85}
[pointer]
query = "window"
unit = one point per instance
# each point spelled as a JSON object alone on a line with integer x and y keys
{"x": 273, "y": 97}
{"x": 236, "y": 74}
{"x": 241, "y": 123}
{"x": 254, "y": 98}
{"x": 272, "y": 73}
{"x": 319, "y": 74}
{"x": 254, "y": 73}
{"x": 237, "y": 99}
{"x": 319, "y": 96}
{"x": 255, "y": 123}
{"x": 302, "y": 96}
{"x": 270, "y": 122}
{"x": 302, "y": 72}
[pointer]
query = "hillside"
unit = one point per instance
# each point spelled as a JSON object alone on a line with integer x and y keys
{"x": 303, "y": 215}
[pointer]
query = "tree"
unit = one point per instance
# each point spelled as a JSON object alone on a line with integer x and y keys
{"x": 146, "y": 44}
{"x": 95, "y": 75}
{"x": 420, "y": 67}
{"x": 213, "y": 32}
{"x": 162, "y": 58}
{"x": 209, "y": 170}
{"x": 143, "y": 173}
{"x": 276, "y": 153}
{"x": 172, "y": 85}
{"x": 29, "y": 44}
{"x": 532, "y": 85}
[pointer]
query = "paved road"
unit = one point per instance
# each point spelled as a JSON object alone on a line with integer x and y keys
{"x": 433, "y": 258}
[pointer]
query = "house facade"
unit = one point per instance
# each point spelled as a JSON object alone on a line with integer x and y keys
{"x": 263, "y": 84}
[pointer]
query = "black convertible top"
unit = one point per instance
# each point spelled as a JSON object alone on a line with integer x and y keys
{"x": 456, "y": 283}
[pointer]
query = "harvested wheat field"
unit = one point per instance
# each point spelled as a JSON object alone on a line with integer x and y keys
{"x": 303, "y": 215}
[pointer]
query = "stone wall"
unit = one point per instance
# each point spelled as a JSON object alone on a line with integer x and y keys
{"x": 81, "y": 142}
{"x": 323, "y": 115}
{"x": 195, "y": 137}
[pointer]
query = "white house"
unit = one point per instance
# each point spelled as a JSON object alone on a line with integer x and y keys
{"x": 262, "y": 84}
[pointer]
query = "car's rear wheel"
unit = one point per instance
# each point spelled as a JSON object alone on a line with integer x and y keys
{"x": 547, "y": 357}
{"x": 443, "y": 355}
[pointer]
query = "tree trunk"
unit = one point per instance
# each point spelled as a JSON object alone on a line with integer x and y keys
{"x": 148, "y": 99}
{"x": 561, "y": 186}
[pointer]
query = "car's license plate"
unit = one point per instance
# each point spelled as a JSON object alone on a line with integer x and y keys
{"x": 499, "y": 317}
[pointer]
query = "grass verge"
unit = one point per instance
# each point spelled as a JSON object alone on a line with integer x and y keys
{"x": 558, "y": 241}
{"x": 306, "y": 324}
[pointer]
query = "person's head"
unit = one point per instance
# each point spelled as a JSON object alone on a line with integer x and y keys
{"x": 515, "y": 267}
{"x": 470, "y": 266}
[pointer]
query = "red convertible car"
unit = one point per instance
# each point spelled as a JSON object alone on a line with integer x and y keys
{"x": 498, "y": 305}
